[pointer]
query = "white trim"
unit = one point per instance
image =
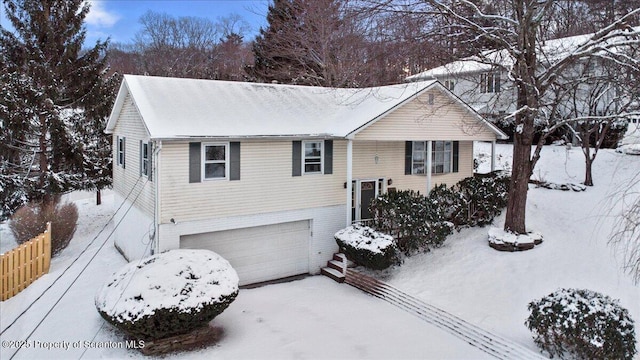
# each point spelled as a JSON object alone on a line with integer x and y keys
{"x": 142, "y": 159}
{"x": 303, "y": 157}
{"x": 428, "y": 166}
{"x": 349, "y": 179}
{"x": 121, "y": 161}
{"x": 204, "y": 161}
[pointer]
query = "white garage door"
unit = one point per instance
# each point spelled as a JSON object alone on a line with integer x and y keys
{"x": 259, "y": 253}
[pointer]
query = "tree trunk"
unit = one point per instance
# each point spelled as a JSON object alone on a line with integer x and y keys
{"x": 98, "y": 197}
{"x": 519, "y": 186}
{"x": 588, "y": 177}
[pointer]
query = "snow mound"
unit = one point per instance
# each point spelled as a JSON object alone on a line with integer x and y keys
{"x": 181, "y": 280}
{"x": 629, "y": 149}
{"x": 503, "y": 240}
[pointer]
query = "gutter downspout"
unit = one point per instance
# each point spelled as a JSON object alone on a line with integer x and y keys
{"x": 428, "y": 167}
{"x": 156, "y": 196}
{"x": 349, "y": 179}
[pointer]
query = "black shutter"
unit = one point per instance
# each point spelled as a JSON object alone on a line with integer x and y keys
{"x": 408, "y": 153}
{"x": 328, "y": 156}
{"x": 234, "y": 156}
{"x": 150, "y": 155}
{"x": 195, "y": 169}
{"x": 296, "y": 156}
{"x": 456, "y": 151}
{"x": 124, "y": 151}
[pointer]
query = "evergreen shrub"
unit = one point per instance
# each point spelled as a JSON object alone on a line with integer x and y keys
{"x": 582, "y": 324}
{"x": 367, "y": 247}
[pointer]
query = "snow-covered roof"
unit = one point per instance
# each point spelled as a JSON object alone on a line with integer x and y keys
{"x": 174, "y": 108}
{"x": 551, "y": 50}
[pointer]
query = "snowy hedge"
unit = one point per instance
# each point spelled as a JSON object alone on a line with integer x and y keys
{"x": 367, "y": 247}
{"x": 168, "y": 294}
{"x": 582, "y": 324}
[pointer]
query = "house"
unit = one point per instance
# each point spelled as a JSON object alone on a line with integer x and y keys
{"x": 484, "y": 82}
{"x": 265, "y": 174}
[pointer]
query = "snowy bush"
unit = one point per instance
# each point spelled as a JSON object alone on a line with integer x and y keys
{"x": 168, "y": 294}
{"x": 31, "y": 220}
{"x": 368, "y": 247}
{"x": 582, "y": 324}
{"x": 416, "y": 222}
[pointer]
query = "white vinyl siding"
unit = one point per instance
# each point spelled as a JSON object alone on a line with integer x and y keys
{"x": 446, "y": 119}
{"x": 128, "y": 180}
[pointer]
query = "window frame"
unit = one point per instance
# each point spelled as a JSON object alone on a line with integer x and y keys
{"x": 450, "y": 84}
{"x": 434, "y": 157}
{"x": 204, "y": 162}
{"x": 490, "y": 82}
{"x": 304, "y": 157}
{"x": 144, "y": 160}
{"x": 121, "y": 151}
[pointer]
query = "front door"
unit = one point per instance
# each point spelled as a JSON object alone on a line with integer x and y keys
{"x": 367, "y": 194}
{"x": 364, "y": 191}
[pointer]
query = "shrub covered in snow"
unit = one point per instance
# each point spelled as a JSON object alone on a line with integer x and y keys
{"x": 583, "y": 324}
{"x": 368, "y": 247}
{"x": 168, "y": 294}
{"x": 416, "y": 222}
{"x": 503, "y": 240}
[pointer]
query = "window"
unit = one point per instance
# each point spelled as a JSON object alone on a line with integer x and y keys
{"x": 450, "y": 84}
{"x": 120, "y": 151}
{"x": 441, "y": 155}
{"x": 144, "y": 159}
{"x": 215, "y": 158}
{"x": 312, "y": 157}
{"x": 490, "y": 83}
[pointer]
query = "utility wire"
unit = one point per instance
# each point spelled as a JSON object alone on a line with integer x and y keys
{"x": 74, "y": 261}
{"x": 81, "y": 271}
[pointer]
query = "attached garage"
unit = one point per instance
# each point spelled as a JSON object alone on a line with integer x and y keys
{"x": 259, "y": 253}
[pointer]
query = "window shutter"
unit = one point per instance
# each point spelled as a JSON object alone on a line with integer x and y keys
{"x": 195, "y": 167}
{"x": 297, "y": 158}
{"x": 328, "y": 156}
{"x": 234, "y": 157}
{"x": 456, "y": 148}
{"x": 141, "y": 158}
{"x": 150, "y": 154}
{"x": 124, "y": 151}
{"x": 408, "y": 153}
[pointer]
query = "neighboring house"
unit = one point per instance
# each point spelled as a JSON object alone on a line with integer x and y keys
{"x": 483, "y": 82}
{"x": 265, "y": 174}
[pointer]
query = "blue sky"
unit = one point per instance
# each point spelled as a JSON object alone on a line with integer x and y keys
{"x": 118, "y": 19}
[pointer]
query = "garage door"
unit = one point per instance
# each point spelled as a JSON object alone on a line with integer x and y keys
{"x": 259, "y": 253}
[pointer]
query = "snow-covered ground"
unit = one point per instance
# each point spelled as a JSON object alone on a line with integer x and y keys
{"x": 318, "y": 318}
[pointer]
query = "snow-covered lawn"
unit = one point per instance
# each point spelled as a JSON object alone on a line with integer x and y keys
{"x": 318, "y": 318}
{"x": 492, "y": 289}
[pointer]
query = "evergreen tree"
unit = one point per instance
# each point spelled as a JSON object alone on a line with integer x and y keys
{"x": 52, "y": 89}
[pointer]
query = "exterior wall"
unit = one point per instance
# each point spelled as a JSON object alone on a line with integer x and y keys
{"x": 133, "y": 235}
{"x": 138, "y": 190}
{"x": 390, "y": 165}
{"x": 325, "y": 221}
{"x": 418, "y": 120}
{"x": 266, "y": 183}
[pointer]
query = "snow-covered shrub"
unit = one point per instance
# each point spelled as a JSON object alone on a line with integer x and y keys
{"x": 582, "y": 324}
{"x": 367, "y": 247}
{"x": 168, "y": 294}
{"x": 503, "y": 240}
{"x": 31, "y": 220}
{"x": 417, "y": 223}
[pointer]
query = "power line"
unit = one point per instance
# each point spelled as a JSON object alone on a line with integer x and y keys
{"x": 74, "y": 261}
{"x": 81, "y": 271}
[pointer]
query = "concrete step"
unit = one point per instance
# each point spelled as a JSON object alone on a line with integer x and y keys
{"x": 342, "y": 257}
{"x": 333, "y": 274}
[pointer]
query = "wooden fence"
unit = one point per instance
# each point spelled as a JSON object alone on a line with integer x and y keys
{"x": 25, "y": 264}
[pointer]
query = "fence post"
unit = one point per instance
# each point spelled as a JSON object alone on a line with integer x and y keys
{"x": 47, "y": 248}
